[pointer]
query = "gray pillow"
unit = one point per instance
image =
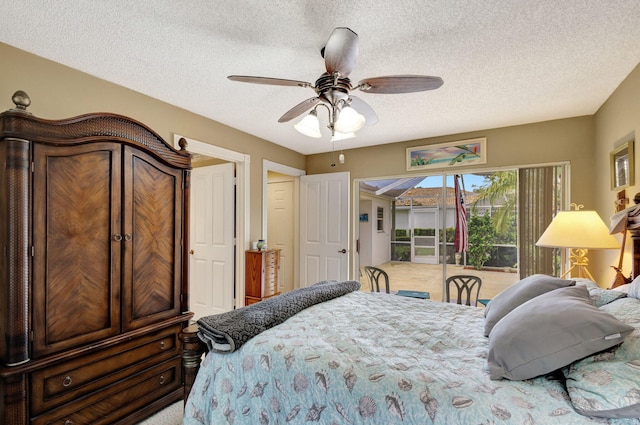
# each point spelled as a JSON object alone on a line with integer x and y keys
{"x": 549, "y": 332}
{"x": 518, "y": 293}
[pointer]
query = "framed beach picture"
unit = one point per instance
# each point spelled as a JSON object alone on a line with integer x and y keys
{"x": 622, "y": 166}
{"x": 444, "y": 155}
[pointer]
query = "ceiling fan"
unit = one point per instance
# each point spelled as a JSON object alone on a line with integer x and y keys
{"x": 347, "y": 113}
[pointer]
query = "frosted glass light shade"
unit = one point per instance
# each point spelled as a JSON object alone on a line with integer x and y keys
{"x": 342, "y": 136}
{"x": 578, "y": 229}
{"x": 309, "y": 125}
{"x": 349, "y": 121}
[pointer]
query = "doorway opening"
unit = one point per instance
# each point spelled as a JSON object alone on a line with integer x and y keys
{"x": 231, "y": 292}
{"x": 280, "y": 218}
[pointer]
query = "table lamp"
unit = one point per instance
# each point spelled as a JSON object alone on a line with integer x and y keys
{"x": 579, "y": 231}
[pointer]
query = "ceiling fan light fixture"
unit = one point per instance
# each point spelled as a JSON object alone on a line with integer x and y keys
{"x": 342, "y": 136}
{"x": 349, "y": 120}
{"x": 309, "y": 125}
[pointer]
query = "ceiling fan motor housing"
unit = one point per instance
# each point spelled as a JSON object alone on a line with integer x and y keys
{"x": 332, "y": 89}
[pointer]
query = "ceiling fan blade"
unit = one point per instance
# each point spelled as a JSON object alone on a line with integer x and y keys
{"x": 400, "y": 84}
{"x": 300, "y": 108}
{"x": 268, "y": 80}
{"x": 363, "y": 108}
{"x": 341, "y": 52}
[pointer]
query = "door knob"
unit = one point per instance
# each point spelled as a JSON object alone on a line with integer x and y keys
{"x": 192, "y": 252}
{"x": 342, "y": 251}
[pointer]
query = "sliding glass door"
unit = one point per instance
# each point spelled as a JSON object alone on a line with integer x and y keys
{"x": 499, "y": 213}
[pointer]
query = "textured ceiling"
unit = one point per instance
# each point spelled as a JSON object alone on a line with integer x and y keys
{"x": 503, "y": 62}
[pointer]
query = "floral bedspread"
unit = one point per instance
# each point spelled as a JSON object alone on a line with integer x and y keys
{"x": 369, "y": 358}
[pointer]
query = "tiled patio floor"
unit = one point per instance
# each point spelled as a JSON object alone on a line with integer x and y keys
{"x": 428, "y": 278}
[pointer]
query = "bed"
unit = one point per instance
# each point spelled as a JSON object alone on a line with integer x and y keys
{"x": 396, "y": 360}
{"x": 372, "y": 358}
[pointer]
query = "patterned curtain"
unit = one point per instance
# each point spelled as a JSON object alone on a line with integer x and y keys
{"x": 540, "y": 198}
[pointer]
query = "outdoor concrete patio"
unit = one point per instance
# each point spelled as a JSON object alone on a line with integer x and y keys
{"x": 428, "y": 278}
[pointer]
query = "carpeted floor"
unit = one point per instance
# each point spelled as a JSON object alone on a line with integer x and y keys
{"x": 171, "y": 415}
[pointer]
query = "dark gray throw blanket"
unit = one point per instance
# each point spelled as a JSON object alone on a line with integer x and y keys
{"x": 226, "y": 332}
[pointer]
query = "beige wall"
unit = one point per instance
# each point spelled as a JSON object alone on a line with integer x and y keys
{"x": 57, "y": 92}
{"x": 569, "y": 140}
{"x": 616, "y": 122}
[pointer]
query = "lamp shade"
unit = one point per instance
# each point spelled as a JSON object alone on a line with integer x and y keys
{"x": 309, "y": 125}
{"x": 578, "y": 229}
{"x": 349, "y": 120}
{"x": 342, "y": 136}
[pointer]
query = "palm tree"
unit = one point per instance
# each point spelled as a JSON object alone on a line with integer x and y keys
{"x": 500, "y": 189}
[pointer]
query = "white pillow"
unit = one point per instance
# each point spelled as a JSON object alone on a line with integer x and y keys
{"x": 600, "y": 296}
{"x": 622, "y": 288}
{"x": 634, "y": 288}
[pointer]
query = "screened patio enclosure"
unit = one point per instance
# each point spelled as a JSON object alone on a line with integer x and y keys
{"x": 417, "y": 216}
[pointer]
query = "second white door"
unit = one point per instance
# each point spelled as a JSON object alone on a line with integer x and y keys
{"x": 211, "y": 240}
{"x": 324, "y": 227}
{"x": 280, "y": 232}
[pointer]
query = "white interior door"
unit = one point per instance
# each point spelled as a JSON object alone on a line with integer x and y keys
{"x": 324, "y": 227}
{"x": 280, "y": 234}
{"x": 212, "y": 252}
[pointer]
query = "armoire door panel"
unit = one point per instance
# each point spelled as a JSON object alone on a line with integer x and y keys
{"x": 76, "y": 205}
{"x": 151, "y": 261}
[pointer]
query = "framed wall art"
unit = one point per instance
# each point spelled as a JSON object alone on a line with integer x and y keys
{"x": 622, "y": 166}
{"x": 444, "y": 155}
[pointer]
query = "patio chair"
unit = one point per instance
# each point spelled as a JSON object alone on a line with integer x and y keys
{"x": 466, "y": 285}
{"x": 375, "y": 275}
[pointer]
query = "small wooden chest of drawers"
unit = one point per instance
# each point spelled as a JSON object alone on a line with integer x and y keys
{"x": 261, "y": 275}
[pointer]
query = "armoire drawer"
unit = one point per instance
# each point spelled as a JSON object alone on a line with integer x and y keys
{"x": 120, "y": 399}
{"x": 76, "y": 378}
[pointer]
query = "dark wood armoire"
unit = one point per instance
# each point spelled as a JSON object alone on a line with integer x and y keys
{"x": 93, "y": 276}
